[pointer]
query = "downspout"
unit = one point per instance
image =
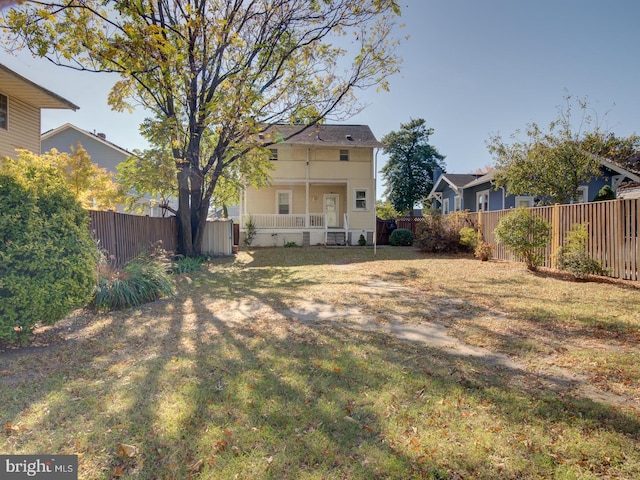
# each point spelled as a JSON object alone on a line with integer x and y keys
{"x": 375, "y": 218}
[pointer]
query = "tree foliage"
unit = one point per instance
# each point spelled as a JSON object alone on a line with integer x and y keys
{"x": 93, "y": 187}
{"x": 385, "y": 210}
{"x": 409, "y": 171}
{"x": 219, "y": 70}
{"x": 47, "y": 256}
{"x": 551, "y": 165}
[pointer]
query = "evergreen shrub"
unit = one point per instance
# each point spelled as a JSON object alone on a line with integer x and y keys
{"x": 47, "y": 255}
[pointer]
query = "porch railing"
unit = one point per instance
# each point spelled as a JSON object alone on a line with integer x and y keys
{"x": 312, "y": 220}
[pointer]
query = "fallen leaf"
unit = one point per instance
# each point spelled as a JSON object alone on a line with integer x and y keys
{"x": 118, "y": 471}
{"x": 126, "y": 451}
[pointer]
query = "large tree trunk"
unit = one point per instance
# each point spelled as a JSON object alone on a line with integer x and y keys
{"x": 185, "y": 243}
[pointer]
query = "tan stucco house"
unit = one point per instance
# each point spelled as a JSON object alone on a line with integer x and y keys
{"x": 20, "y": 103}
{"x": 322, "y": 190}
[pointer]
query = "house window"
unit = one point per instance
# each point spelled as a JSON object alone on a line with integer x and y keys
{"x": 344, "y": 155}
{"x": 582, "y": 195}
{"x": 524, "y": 202}
{"x": 273, "y": 154}
{"x": 4, "y": 112}
{"x": 457, "y": 203}
{"x": 482, "y": 200}
{"x": 284, "y": 202}
{"x": 445, "y": 206}
{"x": 361, "y": 199}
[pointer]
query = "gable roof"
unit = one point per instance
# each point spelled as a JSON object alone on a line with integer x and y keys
{"x": 455, "y": 180}
{"x": 17, "y": 86}
{"x": 324, "y": 135}
{"x": 86, "y": 133}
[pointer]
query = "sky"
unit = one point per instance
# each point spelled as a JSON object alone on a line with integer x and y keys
{"x": 471, "y": 69}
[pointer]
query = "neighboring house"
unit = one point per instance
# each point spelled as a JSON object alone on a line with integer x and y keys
{"x": 104, "y": 153}
{"x": 20, "y": 103}
{"x": 452, "y": 192}
{"x": 322, "y": 189}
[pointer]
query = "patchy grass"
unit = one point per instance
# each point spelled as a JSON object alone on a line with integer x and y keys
{"x": 223, "y": 381}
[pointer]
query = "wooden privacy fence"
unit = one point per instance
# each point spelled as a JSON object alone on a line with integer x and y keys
{"x": 125, "y": 236}
{"x": 612, "y": 225}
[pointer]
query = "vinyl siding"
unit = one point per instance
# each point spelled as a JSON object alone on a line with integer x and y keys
{"x": 23, "y": 131}
{"x": 104, "y": 155}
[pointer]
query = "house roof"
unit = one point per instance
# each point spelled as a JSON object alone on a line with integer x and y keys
{"x": 455, "y": 180}
{"x": 94, "y": 136}
{"x": 325, "y": 135}
{"x": 487, "y": 177}
{"x": 17, "y": 86}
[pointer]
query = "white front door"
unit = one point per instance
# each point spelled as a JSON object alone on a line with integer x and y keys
{"x": 331, "y": 210}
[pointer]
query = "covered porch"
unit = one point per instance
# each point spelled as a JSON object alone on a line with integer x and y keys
{"x": 308, "y": 213}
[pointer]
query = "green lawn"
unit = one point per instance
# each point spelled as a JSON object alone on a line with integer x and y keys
{"x": 258, "y": 368}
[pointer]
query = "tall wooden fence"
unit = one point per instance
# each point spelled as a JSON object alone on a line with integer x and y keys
{"x": 613, "y": 228}
{"x": 124, "y": 236}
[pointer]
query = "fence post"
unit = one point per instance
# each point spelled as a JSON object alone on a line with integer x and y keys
{"x": 556, "y": 241}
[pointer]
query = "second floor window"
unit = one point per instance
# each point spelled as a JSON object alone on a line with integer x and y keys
{"x": 4, "y": 112}
{"x": 273, "y": 154}
{"x": 344, "y": 155}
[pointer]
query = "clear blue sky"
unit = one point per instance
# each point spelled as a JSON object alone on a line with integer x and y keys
{"x": 471, "y": 68}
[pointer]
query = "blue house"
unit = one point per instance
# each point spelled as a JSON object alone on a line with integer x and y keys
{"x": 473, "y": 192}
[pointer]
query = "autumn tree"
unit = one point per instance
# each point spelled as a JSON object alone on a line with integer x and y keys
{"x": 222, "y": 69}
{"x": 94, "y": 187}
{"x": 552, "y": 164}
{"x": 410, "y": 169}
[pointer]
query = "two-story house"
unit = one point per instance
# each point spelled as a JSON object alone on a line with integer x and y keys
{"x": 322, "y": 190}
{"x": 20, "y": 103}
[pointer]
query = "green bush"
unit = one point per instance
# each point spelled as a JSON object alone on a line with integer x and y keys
{"x": 524, "y": 233}
{"x": 573, "y": 256}
{"x": 362, "y": 241}
{"x": 441, "y": 234}
{"x": 401, "y": 237}
{"x": 47, "y": 255}
{"x": 468, "y": 238}
{"x": 140, "y": 281}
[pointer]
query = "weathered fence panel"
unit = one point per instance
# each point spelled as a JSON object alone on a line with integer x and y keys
{"x": 125, "y": 236}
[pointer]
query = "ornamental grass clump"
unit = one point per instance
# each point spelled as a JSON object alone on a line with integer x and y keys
{"x": 142, "y": 280}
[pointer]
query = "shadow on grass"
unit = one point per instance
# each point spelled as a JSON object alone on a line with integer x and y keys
{"x": 201, "y": 390}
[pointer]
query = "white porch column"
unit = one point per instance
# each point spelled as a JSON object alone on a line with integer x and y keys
{"x": 306, "y": 199}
